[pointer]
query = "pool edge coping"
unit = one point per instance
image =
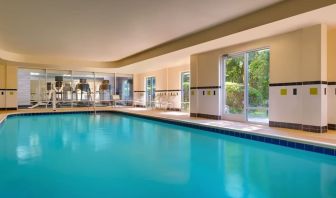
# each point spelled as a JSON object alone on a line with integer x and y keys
{"x": 291, "y": 142}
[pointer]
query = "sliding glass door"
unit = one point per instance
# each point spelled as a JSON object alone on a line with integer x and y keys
{"x": 150, "y": 91}
{"x": 246, "y": 79}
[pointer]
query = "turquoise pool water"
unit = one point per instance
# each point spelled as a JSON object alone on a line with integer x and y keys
{"x": 114, "y": 155}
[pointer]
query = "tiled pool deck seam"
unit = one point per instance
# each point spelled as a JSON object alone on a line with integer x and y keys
{"x": 322, "y": 148}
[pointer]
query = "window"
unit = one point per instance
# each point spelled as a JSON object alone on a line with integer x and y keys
{"x": 124, "y": 88}
{"x": 71, "y": 88}
{"x": 185, "y": 91}
{"x": 150, "y": 91}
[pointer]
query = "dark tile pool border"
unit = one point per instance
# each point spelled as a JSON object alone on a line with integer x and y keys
{"x": 244, "y": 135}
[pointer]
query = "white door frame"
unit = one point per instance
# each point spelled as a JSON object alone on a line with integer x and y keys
{"x": 151, "y": 99}
{"x": 181, "y": 84}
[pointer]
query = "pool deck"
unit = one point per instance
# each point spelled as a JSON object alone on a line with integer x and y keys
{"x": 322, "y": 139}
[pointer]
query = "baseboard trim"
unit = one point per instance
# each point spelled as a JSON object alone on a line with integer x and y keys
{"x": 174, "y": 109}
{"x": 296, "y": 126}
{"x": 10, "y": 108}
{"x": 201, "y": 115}
{"x": 142, "y": 106}
{"x": 193, "y": 114}
{"x": 332, "y": 126}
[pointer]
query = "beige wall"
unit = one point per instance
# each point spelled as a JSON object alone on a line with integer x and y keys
{"x": 166, "y": 79}
{"x": 160, "y": 76}
{"x": 8, "y": 80}
{"x": 8, "y": 76}
{"x": 2, "y": 75}
{"x": 295, "y": 56}
{"x": 332, "y": 54}
{"x": 11, "y": 77}
{"x": 331, "y": 61}
{"x": 174, "y": 76}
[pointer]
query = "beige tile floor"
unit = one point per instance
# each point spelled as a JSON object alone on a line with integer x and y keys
{"x": 324, "y": 139}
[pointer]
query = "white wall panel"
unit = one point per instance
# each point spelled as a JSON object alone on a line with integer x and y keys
{"x": 208, "y": 103}
{"x": 193, "y": 101}
{"x": 285, "y": 108}
{"x": 312, "y": 106}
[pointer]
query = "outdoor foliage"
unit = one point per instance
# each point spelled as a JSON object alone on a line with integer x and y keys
{"x": 235, "y": 97}
{"x": 185, "y": 87}
{"x": 259, "y": 77}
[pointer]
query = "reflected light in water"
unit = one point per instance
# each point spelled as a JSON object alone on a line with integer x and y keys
{"x": 234, "y": 185}
{"x": 31, "y": 151}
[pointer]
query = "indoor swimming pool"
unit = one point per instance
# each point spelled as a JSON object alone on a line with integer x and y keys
{"x": 117, "y": 155}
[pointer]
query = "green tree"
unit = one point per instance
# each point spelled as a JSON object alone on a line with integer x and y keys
{"x": 259, "y": 77}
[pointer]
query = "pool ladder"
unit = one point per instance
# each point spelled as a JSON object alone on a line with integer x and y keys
{"x": 94, "y": 106}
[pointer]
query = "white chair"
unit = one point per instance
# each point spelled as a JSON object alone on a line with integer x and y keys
{"x": 116, "y": 99}
{"x": 137, "y": 103}
{"x": 165, "y": 103}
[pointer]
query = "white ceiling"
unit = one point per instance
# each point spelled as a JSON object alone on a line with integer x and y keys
{"x": 108, "y": 30}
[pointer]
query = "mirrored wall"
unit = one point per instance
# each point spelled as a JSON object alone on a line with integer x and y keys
{"x": 39, "y": 88}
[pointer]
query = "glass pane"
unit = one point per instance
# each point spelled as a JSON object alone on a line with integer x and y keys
{"x": 124, "y": 89}
{"x": 60, "y": 84}
{"x": 83, "y": 89}
{"x": 104, "y": 89}
{"x": 234, "y": 85}
{"x": 185, "y": 91}
{"x": 150, "y": 91}
{"x": 32, "y": 90}
{"x": 258, "y": 81}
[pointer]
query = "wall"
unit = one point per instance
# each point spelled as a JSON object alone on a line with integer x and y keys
{"x": 298, "y": 56}
{"x": 8, "y": 86}
{"x": 331, "y": 61}
{"x": 168, "y": 85}
{"x": 24, "y": 87}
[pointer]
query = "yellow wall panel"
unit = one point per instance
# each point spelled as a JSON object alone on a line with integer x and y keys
{"x": 283, "y": 92}
{"x": 2, "y": 76}
{"x": 11, "y": 77}
{"x": 313, "y": 91}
